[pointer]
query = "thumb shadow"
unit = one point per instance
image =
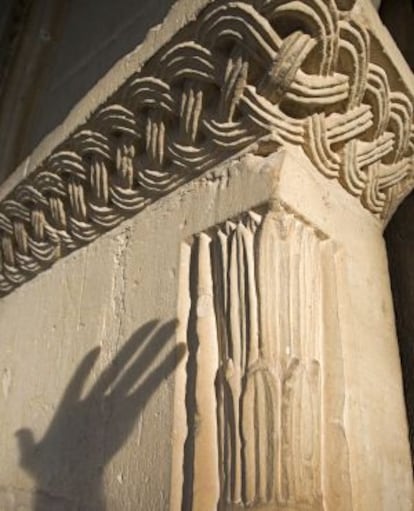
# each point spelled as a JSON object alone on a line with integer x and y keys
{"x": 67, "y": 464}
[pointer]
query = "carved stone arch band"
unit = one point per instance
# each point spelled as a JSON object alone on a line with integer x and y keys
{"x": 245, "y": 76}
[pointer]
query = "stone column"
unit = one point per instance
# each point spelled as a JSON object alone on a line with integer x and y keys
{"x": 301, "y": 345}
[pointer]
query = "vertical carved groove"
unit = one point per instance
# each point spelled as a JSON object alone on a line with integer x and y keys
{"x": 257, "y": 311}
{"x": 190, "y": 399}
{"x": 206, "y": 486}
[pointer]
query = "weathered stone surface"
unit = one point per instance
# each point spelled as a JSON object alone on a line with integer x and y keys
{"x": 357, "y": 349}
{"x": 235, "y": 173}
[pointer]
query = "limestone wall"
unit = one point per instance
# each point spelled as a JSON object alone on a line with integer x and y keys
{"x": 118, "y": 293}
{"x": 124, "y": 443}
{"x": 196, "y": 311}
{"x": 107, "y": 296}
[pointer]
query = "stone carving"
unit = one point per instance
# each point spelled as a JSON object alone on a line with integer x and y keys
{"x": 245, "y": 75}
{"x": 255, "y": 334}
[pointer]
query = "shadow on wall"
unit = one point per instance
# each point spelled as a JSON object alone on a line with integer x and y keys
{"x": 67, "y": 464}
{"x": 399, "y": 236}
{"x": 398, "y": 17}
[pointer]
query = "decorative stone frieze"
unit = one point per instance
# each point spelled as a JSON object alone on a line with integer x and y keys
{"x": 245, "y": 76}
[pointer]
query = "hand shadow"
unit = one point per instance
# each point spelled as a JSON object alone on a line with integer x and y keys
{"x": 85, "y": 433}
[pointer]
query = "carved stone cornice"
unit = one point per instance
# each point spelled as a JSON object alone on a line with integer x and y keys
{"x": 244, "y": 75}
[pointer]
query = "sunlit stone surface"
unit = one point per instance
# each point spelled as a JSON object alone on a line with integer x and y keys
{"x": 196, "y": 310}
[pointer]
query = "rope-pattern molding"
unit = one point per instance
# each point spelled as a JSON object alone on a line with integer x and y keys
{"x": 294, "y": 72}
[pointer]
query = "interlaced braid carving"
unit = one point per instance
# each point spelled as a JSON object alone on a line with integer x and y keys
{"x": 291, "y": 72}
